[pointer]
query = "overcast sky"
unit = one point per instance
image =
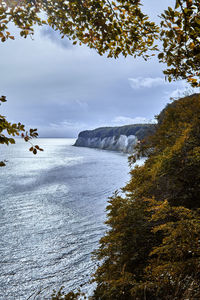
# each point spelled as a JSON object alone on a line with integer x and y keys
{"x": 62, "y": 89}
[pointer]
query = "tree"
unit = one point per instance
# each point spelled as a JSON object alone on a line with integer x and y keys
{"x": 124, "y": 249}
{"x": 151, "y": 247}
{"x": 117, "y": 27}
{"x": 7, "y": 129}
{"x": 60, "y": 295}
{"x": 174, "y": 162}
{"x": 179, "y": 34}
{"x": 173, "y": 271}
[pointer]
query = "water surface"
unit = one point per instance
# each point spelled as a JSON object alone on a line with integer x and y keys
{"x": 52, "y": 212}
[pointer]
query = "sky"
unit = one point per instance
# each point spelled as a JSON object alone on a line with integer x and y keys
{"x": 63, "y": 89}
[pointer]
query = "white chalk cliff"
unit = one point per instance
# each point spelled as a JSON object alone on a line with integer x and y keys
{"x": 122, "y": 138}
{"x": 121, "y": 143}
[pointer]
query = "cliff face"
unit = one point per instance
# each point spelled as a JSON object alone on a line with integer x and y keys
{"x": 122, "y": 138}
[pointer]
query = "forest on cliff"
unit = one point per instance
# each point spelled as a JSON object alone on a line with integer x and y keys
{"x": 152, "y": 247}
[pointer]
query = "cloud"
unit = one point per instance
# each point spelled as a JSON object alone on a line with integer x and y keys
{"x": 146, "y": 82}
{"x": 63, "y": 129}
{"x": 82, "y": 104}
{"x": 176, "y": 93}
{"x": 183, "y": 89}
{"x": 55, "y": 37}
{"x": 62, "y": 82}
{"x": 66, "y": 124}
{"x": 121, "y": 120}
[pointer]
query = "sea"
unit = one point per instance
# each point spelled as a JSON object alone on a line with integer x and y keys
{"x": 52, "y": 213}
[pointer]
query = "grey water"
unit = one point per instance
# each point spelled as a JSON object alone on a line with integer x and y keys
{"x": 52, "y": 213}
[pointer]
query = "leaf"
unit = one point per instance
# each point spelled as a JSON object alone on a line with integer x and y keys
{"x": 160, "y": 55}
{"x": 2, "y": 164}
{"x": 12, "y": 141}
{"x": 3, "y": 99}
{"x": 177, "y": 4}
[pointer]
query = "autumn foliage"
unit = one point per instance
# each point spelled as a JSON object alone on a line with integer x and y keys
{"x": 152, "y": 247}
{"x": 9, "y": 131}
{"x": 116, "y": 28}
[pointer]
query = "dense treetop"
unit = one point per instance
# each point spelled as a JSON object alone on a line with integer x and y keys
{"x": 116, "y": 28}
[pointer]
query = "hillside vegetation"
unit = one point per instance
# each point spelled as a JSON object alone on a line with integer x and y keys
{"x": 139, "y": 130}
{"x": 152, "y": 247}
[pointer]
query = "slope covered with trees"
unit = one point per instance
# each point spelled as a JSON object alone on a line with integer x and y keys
{"x": 139, "y": 130}
{"x": 152, "y": 248}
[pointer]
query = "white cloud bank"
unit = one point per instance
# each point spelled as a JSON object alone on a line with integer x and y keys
{"x": 182, "y": 90}
{"x": 122, "y": 120}
{"x": 175, "y": 89}
{"x": 146, "y": 82}
{"x": 63, "y": 129}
